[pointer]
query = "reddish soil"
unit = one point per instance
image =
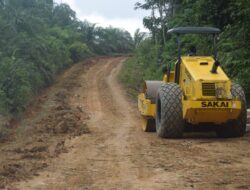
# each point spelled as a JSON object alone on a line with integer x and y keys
{"x": 83, "y": 133}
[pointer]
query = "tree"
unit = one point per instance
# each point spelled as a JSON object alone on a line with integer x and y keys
{"x": 232, "y": 17}
{"x": 138, "y": 37}
{"x": 63, "y": 15}
{"x": 38, "y": 39}
{"x": 157, "y": 25}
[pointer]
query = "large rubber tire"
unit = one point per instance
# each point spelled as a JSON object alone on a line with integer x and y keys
{"x": 148, "y": 124}
{"x": 235, "y": 128}
{"x": 169, "y": 114}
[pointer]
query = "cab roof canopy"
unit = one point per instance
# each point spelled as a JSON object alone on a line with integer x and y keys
{"x": 194, "y": 30}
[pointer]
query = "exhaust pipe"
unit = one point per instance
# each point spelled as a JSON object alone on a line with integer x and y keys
{"x": 215, "y": 67}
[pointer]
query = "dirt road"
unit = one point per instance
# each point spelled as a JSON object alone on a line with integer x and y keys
{"x": 116, "y": 154}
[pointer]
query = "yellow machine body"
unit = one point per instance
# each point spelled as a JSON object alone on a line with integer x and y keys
{"x": 207, "y": 96}
{"x": 146, "y": 107}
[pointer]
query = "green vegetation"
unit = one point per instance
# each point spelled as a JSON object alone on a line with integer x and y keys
{"x": 38, "y": 39}
{"x": 141, "y": 67}
{"x": 232, "y": 17}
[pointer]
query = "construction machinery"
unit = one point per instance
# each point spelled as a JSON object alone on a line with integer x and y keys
{"x": 197, "y": 92}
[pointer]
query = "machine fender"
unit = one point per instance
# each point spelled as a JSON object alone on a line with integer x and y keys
{"x": 150, "y": 89}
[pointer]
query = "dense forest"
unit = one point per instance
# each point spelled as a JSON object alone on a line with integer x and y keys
{"x": 38, "y": 39}
{"x": 231, "y": 16}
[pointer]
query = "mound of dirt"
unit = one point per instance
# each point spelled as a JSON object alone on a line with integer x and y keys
{"x": 28, "y": 148}
{"x": 63, "y": 118}
{"x": 63, "y": 121}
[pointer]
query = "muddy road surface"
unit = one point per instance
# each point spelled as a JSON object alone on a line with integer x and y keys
{"x": 110, "y": 151}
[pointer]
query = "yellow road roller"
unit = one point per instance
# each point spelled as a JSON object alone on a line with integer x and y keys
{"x": 196, "y": 94}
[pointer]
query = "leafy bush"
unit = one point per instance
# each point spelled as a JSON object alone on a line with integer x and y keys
{"x": 79, "y": 51}
{"x": 143, "y": 66}
{"x": 38, "y": 39}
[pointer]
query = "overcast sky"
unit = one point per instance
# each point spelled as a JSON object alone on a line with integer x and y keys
{"x": 118, "y": 13}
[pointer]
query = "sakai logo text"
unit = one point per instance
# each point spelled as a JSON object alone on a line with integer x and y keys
{"x": 215, "y": 104}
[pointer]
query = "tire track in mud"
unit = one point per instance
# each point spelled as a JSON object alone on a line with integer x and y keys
{"x": 116, "y": 121}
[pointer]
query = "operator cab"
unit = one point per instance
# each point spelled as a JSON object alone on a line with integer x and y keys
{"x": 193, "y": 51}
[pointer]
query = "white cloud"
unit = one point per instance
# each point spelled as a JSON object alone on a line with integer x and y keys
{"x": 129, "y": 23}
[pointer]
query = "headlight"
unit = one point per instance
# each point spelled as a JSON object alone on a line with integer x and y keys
{"x": 220, "y": 90}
